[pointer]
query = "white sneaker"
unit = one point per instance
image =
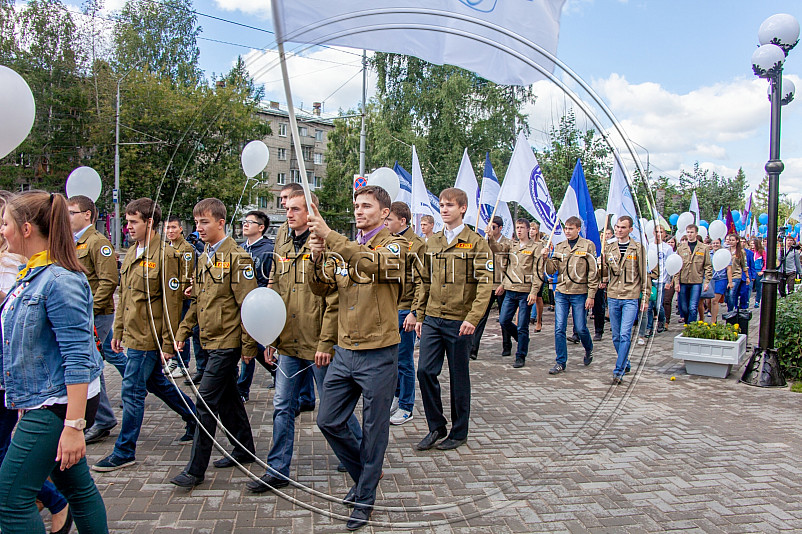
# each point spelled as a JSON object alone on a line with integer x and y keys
{"x": 400, "y": 417}
{"x": 178, "y": 372}
{"x": 394, "y": 406}
{"x": 641, "y": 341}
{"x": 171, "y": 367}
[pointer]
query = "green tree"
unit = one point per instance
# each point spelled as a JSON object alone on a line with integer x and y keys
{"x": 712, "y": 191}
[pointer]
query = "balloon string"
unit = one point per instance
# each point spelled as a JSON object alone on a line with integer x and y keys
{"x": 278, "y": 366}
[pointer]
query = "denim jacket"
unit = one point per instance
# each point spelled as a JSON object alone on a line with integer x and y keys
{"x": 49, "y": 341}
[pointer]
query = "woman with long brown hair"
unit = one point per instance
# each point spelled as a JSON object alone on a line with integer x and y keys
{"x": 49, "y": 367}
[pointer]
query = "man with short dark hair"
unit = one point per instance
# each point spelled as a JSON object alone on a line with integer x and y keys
{"x": 695, "y": 275}
{"x": 367, "y": 274}
{"x": 150, "y": 308}
{"x": 404, "y": 400}
{"x": 575, "y": 261}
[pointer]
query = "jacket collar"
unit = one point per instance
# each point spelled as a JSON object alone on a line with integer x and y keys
{"x": 89, "y": 231}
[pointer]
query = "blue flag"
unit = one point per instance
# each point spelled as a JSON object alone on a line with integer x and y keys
{"x": 721, "y": 214}
{"x": 405, "y": 181}
{"x": 577, "y": 203}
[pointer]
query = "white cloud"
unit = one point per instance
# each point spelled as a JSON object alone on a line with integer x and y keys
{"x": 255, "y": 7}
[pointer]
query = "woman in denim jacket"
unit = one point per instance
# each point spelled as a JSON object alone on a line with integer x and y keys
{"x": 49, "y": 366}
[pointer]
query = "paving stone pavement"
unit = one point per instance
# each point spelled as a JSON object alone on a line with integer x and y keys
{"x": 569, "y": 453}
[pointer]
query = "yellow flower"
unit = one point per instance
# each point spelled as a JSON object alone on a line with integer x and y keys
{"x": 701, "y": 322}
{"x": 735, "y": 326}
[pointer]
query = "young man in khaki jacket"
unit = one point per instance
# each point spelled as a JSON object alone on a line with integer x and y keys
{"x": 624, "y": 266}
{"x": 367, "y": 274}
{"x": 223, "y": 278}
{"x": 449, "y": 303}
{"x": 575, "y": 259}
{"x": 149, "y": 312}
{"x": 695, "y": 275}
{"x": 521, "y": 286}
{"x": 186, "y": 256}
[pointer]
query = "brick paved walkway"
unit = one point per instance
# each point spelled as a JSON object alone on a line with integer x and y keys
{"x": 545, "y": 454}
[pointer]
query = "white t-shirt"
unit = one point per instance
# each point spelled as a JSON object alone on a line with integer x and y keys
{"x": 662, "y": 254}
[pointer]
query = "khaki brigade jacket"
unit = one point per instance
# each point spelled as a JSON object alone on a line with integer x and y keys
{"x": 738, "y": 265}
{"x": 456, "y": 281}
{"x": 578, "y": 270}
{"x": 519, "y": 265}
{"x": 626, "y": 277}
{"x": 368, "y": 279}
{"x": 220, "y": 285}
{"x": 97, "y": 255}
{"x": 697, "y": 268}
{"x": 186, "y": 257}
{"x": 311, "y": 320}
{"x": 414, "y": 262}
{"x": 500, "y": 253}
{"x": 150, "y": 298}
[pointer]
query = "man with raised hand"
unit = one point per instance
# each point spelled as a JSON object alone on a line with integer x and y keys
{"x": 223, "y": 279}
{"x": 150, "y": 309}
{"x": 575, "y": 260}
{"x": 624, "y": 264}
{"x": 404, "y": 400}
{"x": 96, "y": 254}
{"x": 521, "y": 286}
{"x": 695, "y": 275}
{"x": 367, "y": 274}
{"x": 449, "y": 302}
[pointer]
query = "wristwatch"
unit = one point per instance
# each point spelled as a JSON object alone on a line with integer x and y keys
{"x": 77, "y": 424}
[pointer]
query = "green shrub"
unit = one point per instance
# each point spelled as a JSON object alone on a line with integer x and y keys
{"x": 788, "y": 335}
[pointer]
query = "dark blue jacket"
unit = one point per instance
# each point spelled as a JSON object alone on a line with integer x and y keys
{"x": 262, "y": 254}
{"x": 750, "y": 265}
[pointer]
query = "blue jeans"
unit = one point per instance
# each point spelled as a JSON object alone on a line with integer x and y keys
{"x": 689, "y": 301}
{"x": 654, "y": 308}
{"x": 307, "y": 394}
{"x": 576, "y": 303}
{"x": 405, "y": 390}
{"x": 732, "y": 294}
{"x": 758, "y": 286}
{"x": 285, "y": 401}
{"x": 105, "y": 418}
{"x": 516, "y": 300}
{"x": 623, "y": 313}
{"x": 743, "y": 295}
{"x": 143, "y": 374}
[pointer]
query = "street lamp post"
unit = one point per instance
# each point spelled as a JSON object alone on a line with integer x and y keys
{"x": 777, "y": 35}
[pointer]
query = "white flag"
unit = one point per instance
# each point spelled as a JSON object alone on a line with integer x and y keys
{"x": 695, "y": 208}
{"x": 619, "y": 200}
{"x": 489, "y": 202}
{"x": 525, "y": 185}
{"x": 421, "y": 200}
{"x": 797, "y": 213}
{"x": 466, "y": 180}
{"x": 487, "y": 37}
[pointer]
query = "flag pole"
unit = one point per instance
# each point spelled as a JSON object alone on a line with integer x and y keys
{"x": 291, "y": 109}
{"x": 494, "y": 211}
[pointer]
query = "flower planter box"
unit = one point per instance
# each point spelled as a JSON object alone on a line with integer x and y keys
{"x": 709, "y": 357}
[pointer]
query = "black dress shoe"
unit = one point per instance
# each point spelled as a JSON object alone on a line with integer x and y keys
{"x": 185, "y": 480}
{"x": 350, "y": 497}
{"x": 474, "y": 355}
{"x": 574, "y": 339}
{"x": 431, "y": 438}
{"x": 225, "y": 461}
{"x": 506, "y": 351}
{"x": 450, "y": 443}
{"x": 196, "y": 378}
{"x": 588, "y": 358}
{"x": 267, "y": 482}
{"x": 519, "y": 362}
{"x": 93, "y": 435}
{"x": 341, "y": 468}
{"x": 597, "y": 337}
{"x": 359, "y": 517}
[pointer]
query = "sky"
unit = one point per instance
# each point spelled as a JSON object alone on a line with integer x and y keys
{"x": 675, "y": 73}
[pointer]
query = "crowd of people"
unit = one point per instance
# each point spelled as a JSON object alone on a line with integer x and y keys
{"x": 355, "y": 311}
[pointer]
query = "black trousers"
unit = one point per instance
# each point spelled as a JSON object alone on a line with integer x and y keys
{"x": 218, "y": 390}
{"x": 440, "y": 338}
{"x": 786, "y": 284}
{"x": 599, "y": 305}
{"x": 506, "y": 340}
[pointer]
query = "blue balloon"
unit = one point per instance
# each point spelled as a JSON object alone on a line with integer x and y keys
{"x": 704, "y": 223}
{"x": 763, "y": 218}
{"x": 736, "y": 216}
{"x": 673, "y": 219}
{"x": 798, "y": 226}
{"x": 763, "y": 228}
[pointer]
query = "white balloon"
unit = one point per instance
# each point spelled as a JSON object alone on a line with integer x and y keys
{"x": 254, "y": 158}
{"x": 601, "y": 219}
{"x": 84, "y": 181}
{"x": 386, "y": 178}
{"x": 717, "y": 230}
{"x": 673, "y": 264}
{"x": 721, "y": 259}
{"x": 263, "y": 315}
{"x": 17, "y": 110}
{"x": 702, "y": 232}
{"x": 651, "y": 259}
{"x": 684, "y": 220}
{"x": 649, "y": 230}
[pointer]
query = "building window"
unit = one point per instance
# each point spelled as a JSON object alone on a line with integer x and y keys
{"x": 303, "y": 131}
{"x": 282, "y": 129}
{"x": 318, "y": 159}
{"x": 307, "y": 152}
{"x": 278, "y": 203}
{"x": 296, "y": 176}
{"x": 262, "y": 202}
{"x": 318, "y": 184}
{"x": 281, "y": 178}
{"x": 319, "y": 135}
{"x": 282, "y": 154}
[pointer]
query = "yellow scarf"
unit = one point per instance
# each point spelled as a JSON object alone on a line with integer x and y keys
{"x": 40, "y": 259}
